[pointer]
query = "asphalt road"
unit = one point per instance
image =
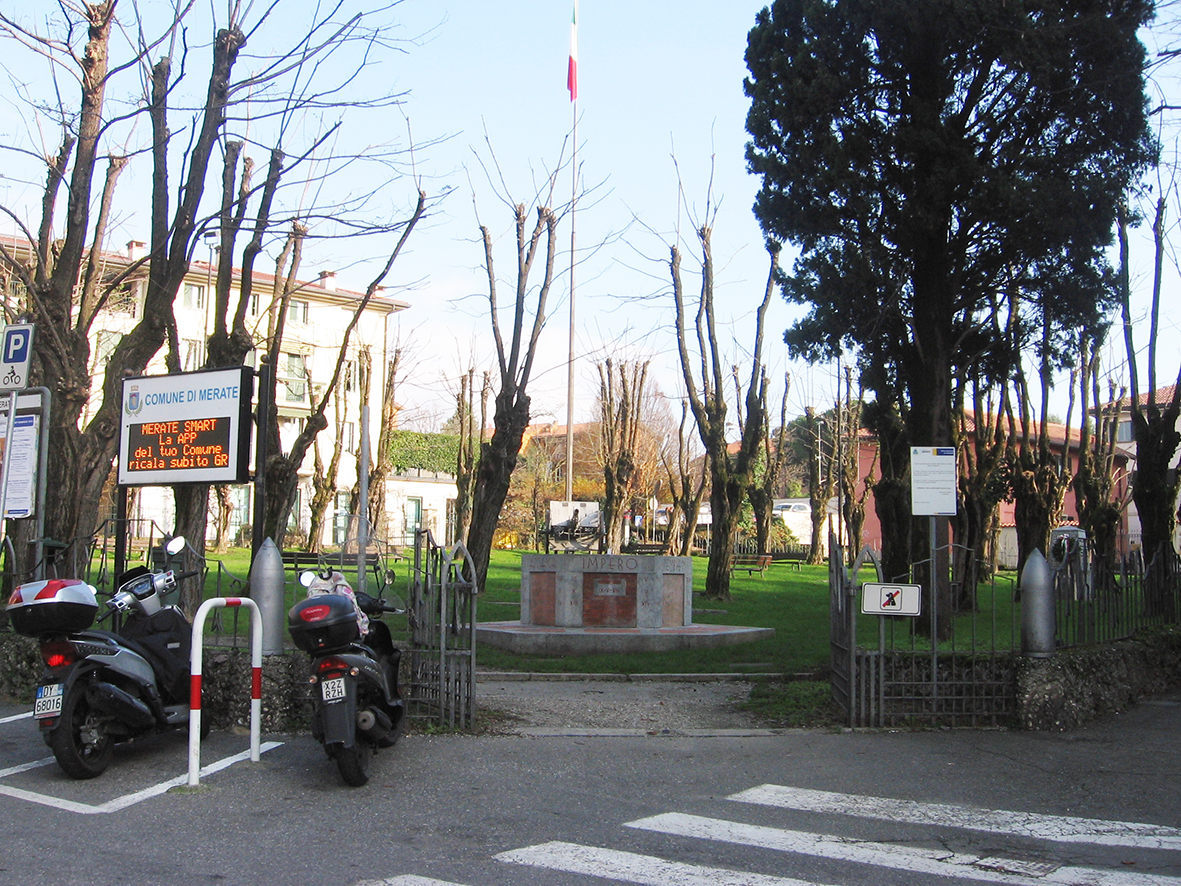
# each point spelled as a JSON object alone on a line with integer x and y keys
{"x": 736, "y": 808}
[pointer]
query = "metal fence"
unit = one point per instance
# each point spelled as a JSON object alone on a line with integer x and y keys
{"x": 1097, "y": 601}
{"x": 442, "y": 614}
{"x": 886, "y": 671}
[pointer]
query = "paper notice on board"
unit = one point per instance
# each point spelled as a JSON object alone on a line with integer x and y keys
{"x": 933, "y": 481}
{"x": 22, "y": 472}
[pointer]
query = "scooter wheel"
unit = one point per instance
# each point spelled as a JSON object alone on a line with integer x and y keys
{"x": 355, "y": 762}
{"x": 80, "y": 743}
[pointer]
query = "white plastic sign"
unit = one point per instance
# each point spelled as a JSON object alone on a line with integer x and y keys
{"x": 891, "y": 599}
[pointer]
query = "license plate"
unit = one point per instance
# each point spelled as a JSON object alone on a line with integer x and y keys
{"x": 49, "y": 701}
{"x": 330, "y": 690}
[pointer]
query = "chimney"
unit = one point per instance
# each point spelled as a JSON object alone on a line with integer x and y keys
{"x": 328, "y": 280}
{"x": 135, "y": 250}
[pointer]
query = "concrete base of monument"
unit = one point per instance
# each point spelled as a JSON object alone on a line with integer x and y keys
{"x": 548, "y": 640}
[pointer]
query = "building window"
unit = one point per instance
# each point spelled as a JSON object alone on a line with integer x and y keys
{"x": 297, "y": 312}
{"x": 412, "y": 518}
{"x": 193, "y": 296}
{"x": 104, "y": 346}
{"x": 295, "y": 378}
{"x": 1124, "y": 432}
{"x": 124, "y": 298}
{"x": 194, "y": 357}
{"x": 348, "y": 436}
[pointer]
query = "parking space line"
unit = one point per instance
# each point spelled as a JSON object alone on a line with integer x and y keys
{"x": 127, "y": 799}
{"x": 25, "y": 767}
{"x": 15, "y": 717}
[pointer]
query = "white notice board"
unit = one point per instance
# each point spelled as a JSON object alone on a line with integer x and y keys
{"x": 932, "y": 481}
{"x": 22, "y": 473}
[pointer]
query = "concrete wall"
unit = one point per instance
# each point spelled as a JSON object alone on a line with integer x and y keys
{"x": 606, "y": 590}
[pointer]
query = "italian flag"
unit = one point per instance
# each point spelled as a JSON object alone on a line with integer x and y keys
{"x": 572, "y": 71}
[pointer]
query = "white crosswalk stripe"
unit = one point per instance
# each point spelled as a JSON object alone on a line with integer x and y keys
{"x": 630, "y": 867}
{"x": 1058, "y": 828}
{"x": 907, "y": 858}
{"x": 649, "y": 870}
{"x": 407, "y": 880}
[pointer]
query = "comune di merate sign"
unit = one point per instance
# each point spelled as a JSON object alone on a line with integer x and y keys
{"x": 192, "y": 427}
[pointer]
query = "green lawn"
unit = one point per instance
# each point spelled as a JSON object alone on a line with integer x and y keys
{"x": 792, "y": 602}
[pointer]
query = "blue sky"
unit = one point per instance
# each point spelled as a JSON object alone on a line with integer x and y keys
{"x": 657, "y": 80}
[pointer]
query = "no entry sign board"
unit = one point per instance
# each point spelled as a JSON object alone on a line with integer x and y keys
{"x": 890, "y": 599}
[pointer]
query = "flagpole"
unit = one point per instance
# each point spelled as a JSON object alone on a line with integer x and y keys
{"x": 572, "y": 85}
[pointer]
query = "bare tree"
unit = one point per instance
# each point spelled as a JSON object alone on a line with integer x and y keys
{"x": 821, "y": 481}
{"x": 686, "y": 484}
{"x": 1096, "y": 480}
{"x": 1154, "y": 426}
{"x": 60, "y": 267}
{"x": 282, "y": 468}
{"x": 765, "y": 478}
{"x": 471, "y": 439}
{"x": 621, "y": 396}
{"x": 705, "y": 383}
{"x": 324, "y": 476}
{"x": 63, "y": 273}
{"x": 515, "y": 353}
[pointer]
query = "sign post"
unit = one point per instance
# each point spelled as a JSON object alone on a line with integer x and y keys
{"x": 933, "y": 493}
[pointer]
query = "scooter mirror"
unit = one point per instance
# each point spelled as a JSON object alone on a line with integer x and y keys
{"x": 306, "y": 578}
{"x": 175, "y": 545}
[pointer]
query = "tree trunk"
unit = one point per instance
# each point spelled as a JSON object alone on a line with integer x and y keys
{"x": 498, "y": 458}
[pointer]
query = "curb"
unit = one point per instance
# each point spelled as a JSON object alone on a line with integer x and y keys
{"x": 542, "y": 677}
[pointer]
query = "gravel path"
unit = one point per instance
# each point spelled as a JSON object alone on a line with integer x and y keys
{"x": 539, "y": 706}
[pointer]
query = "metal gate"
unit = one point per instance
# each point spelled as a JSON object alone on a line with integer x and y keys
{"x": 442, "y": 614}
{"x": 908, "y": 680}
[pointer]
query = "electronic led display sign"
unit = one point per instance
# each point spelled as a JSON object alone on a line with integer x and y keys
{"x": 192, "y": 427}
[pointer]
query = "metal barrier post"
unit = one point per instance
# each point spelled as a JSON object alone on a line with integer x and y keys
{"x": 267, "y": 589}
{"x": 1038, "y": 625}
{"x": 195, "y": 679}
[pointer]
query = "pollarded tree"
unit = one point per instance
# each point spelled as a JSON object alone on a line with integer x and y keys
{"x": 1154, "y": 415}
{"x": 705, "y": 384}
{"x": 516, "y": 348}
{"x": 922, "y": 155}
{"x": 686, "y": 487}
{"x": 621, "y": 396}
{"x": 765, "y": 479}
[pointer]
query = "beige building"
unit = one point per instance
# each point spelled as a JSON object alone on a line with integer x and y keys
{"x": 317, "y": 315}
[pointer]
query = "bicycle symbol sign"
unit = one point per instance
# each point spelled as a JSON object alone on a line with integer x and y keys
{"x": 16, "y": 353}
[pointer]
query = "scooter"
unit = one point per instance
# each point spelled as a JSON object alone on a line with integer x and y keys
{"x": 101, "y": 687}
{"x": 357, "y": 708}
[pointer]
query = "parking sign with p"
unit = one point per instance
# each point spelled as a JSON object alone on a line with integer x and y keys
{"x": 16, "y": 355}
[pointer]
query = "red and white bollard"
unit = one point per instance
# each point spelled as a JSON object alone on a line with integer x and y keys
{"x": 195, "y": 679}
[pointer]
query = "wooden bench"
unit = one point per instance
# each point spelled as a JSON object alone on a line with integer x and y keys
{"x": 752, "y": 563}
{"x": 794, "y": 556}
